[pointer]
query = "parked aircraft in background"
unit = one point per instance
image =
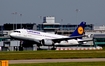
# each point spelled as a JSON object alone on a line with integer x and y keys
{"x": 47, "y": 39}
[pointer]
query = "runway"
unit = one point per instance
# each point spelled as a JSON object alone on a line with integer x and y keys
{"x": 56, "y": 60}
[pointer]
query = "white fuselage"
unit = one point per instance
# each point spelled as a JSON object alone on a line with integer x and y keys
{"x": 37, "y": 35}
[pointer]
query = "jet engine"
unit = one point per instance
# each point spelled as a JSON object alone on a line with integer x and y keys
{"x": 73, "y": 41}
{"x": 89, "y": 35}
{"x": 47, "y": 42}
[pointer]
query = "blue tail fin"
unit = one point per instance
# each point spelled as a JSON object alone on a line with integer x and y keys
{"x": 79, "y": 30}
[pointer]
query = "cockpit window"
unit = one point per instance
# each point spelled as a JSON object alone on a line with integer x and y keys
{"x": 17, "y": 31}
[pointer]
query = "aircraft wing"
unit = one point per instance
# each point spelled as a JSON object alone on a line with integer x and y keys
{"x": 86, "y": 40}
{"x": 61, "y": 39}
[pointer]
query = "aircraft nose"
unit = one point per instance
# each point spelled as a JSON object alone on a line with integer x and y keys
{"x": 12, "y": 34}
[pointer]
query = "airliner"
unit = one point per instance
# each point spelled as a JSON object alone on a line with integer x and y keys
{"x": 47, "y": 39}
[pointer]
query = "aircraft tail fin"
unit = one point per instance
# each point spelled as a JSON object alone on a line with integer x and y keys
{"x": 79, "y": 30}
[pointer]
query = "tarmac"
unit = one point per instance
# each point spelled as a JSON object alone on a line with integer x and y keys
{"x": 56, "y": 60}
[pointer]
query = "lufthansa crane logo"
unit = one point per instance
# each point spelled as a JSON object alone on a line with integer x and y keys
{"x": 80, "y": 30}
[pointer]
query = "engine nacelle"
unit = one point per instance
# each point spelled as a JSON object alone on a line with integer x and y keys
{"x": 63, "y": 42}
{"x": 47, "y": 42}
{"x": 89, "y": 35}
{"x": 73, "y": 41}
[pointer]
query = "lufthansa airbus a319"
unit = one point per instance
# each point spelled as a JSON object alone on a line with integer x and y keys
{"x": 47, "y": 39}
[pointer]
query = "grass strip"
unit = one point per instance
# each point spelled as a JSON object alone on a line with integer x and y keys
{"x": 17, "y": 55}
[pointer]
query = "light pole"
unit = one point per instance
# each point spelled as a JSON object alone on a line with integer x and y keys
{"x": 77, "y": 10}
{"x": 40, "y": 17}
{"x": 13, "y": 20}
{"x": 16, "y": 19}
{"x": 21, "y": 20}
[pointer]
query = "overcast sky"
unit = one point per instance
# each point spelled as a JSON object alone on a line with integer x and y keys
{"x": 32, "y": 11}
